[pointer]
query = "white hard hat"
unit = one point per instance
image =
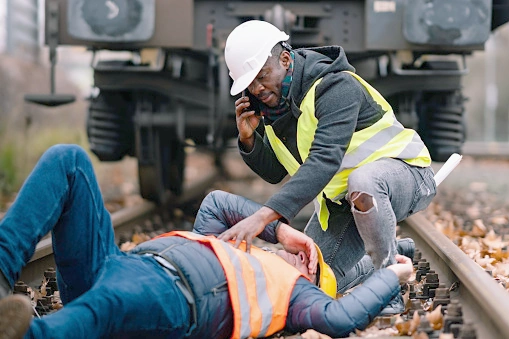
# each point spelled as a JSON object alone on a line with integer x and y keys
{"x": 247, "y": 49}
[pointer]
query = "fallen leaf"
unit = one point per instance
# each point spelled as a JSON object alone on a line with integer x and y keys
{"x": 436, "y": 318}
{"x": 408, "y": 327}
{"x": 499, "y": 220}
{"x": 43, "y": 286}
{"x": 127, "y": 246}
{"x": 499, "y": 255}
{"x": 493, "y": 241}
{"x": 138, "y": 238}
{"x": 473, "y": 212}
{"x": 501, "y": 269}
{"x": 478, "y": 229}
{"x": 420, "y": 335}
{"x": 312, "y": 334}
{"x": 485, "y": 261}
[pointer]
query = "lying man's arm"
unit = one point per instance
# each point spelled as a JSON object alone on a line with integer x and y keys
{"x": 310, "y": 308}
{"x": 221, "y": 210}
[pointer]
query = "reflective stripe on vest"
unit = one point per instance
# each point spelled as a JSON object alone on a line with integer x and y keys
{"x": 386, "y": 138}
{"x": 259, "y": 293}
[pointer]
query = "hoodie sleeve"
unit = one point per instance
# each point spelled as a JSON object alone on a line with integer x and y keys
{"x": 310, "y": 308}
{"x": 263, "y": 161}
{"x": 339, "y": 98}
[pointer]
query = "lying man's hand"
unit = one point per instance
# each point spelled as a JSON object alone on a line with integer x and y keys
{"x": 295, "y": 241}
{"x": 403, "y": 268}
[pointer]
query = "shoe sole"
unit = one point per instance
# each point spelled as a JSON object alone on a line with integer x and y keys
{"x": 15, "y": 316}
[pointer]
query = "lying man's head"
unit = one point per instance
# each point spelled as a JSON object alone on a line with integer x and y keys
{"x": 300, "y": 261}
{"x": 324, "y": 278}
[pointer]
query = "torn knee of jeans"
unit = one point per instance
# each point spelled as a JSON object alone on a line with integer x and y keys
{"x": 362, "y": 201}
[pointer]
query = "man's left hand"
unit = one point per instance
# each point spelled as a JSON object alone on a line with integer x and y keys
{"x": 295, "y": 241}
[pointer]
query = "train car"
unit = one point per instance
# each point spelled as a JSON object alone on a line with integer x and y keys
{"x": 172, "y": 89}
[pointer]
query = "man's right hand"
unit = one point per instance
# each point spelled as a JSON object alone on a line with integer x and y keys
{"x": 247, "y": 122}
{"x": 403, "y": 268}
{"x": 245, "y": 230}
{"x": 249, "y": 227}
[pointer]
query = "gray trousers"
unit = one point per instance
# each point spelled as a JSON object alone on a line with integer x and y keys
{"x": 356, "y": 243}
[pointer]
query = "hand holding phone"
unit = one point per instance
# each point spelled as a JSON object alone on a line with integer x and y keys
{"x": 247, "y": 122}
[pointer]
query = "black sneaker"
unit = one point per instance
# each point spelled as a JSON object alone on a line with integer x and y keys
{"x": 406, "y": 247}
{"x": 15, "y": 316}
{"x": 396, "y": 306}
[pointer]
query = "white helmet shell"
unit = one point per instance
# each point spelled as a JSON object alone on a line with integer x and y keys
{"x": 247, "y": 49}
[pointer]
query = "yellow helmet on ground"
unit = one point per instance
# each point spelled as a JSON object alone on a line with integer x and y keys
{"x": 326, "y": 278}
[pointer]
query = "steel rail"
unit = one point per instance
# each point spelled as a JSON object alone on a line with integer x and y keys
{"x": 484, "y": 302}
{"x": 122, "y": 221}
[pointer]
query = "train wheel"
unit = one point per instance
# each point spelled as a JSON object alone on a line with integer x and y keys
{"x": 109, "y": 126}
{"x": 441, "y": 123}
{"x": 162, "y": 174}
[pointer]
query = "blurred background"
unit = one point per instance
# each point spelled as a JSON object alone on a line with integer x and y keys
{"x": 27, "y": 129}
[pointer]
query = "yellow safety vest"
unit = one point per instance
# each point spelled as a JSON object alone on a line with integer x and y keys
{"x": 387, "y": 138}
{"x": 259, "y": 293}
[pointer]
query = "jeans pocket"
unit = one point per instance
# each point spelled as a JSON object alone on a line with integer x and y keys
{"x": 425, "y": 193}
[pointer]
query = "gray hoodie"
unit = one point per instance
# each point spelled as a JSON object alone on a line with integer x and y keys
{"x": 342, "y": 106}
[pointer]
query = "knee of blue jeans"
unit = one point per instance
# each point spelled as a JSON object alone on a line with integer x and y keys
{"x": 59, "y": 151}
{"x": 63, "y": 148}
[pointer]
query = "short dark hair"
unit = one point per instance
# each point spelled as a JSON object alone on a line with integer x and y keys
{"x": 278, "y": 49}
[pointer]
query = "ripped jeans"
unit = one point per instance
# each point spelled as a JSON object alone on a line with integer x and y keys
{"x": 356, "y": 243}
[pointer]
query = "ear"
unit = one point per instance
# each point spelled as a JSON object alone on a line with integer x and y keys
{"x": 302, "y": 257}
{"x": 285, "y": 59}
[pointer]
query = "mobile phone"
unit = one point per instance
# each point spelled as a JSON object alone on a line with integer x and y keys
{"x": 253, "y": 105}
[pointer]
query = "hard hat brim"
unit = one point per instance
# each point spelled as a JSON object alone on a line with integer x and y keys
{"x": 327, "y": 279}
{"x": 241, "y": 83}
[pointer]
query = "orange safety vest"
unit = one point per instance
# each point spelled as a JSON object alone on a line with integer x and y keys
{"x": 260, "y": 293}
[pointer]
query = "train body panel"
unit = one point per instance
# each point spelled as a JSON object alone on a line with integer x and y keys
{"x": 175, "y": 86}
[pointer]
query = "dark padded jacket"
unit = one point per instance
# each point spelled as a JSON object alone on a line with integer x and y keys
{"x": 342, "y": 106}
{"x": 309, "y": 307}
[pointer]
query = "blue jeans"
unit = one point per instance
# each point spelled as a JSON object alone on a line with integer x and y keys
{"x": 398, "y": 190}
{"x": 103, "y": 290}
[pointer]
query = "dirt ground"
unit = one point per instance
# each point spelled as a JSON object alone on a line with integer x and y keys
{"x": 478, "y": 189}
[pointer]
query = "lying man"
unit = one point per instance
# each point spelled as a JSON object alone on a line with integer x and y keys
{"x": 178, "y": 285}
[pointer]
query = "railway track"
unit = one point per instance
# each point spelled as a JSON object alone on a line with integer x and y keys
{"x": 483, "y": 302}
